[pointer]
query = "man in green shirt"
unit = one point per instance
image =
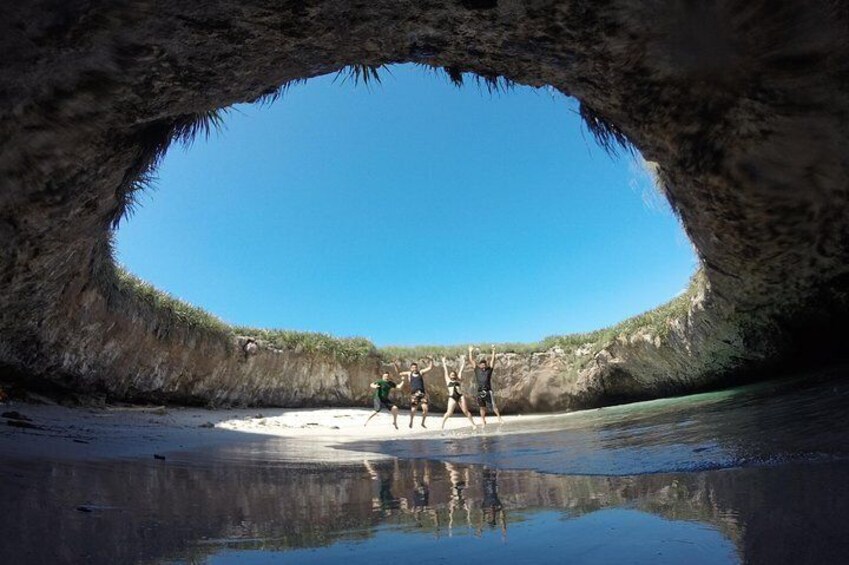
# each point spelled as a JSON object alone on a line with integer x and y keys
{"x": 382, "y": 387}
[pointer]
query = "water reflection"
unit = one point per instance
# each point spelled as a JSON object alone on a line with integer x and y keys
{"x": 766, "y": 424}
{"x": 668, "y": 482}
{"x": 150, "y": 511}
{"x": 491, "y": 506}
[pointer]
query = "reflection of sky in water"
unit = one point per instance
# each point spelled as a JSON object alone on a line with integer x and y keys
{"x": 606, "y": 536}
{"x": 253, "y": 502}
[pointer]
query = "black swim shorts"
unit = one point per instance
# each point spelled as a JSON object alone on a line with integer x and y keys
{"x": 485, "y": 399}
{"x": 378, "y": 404}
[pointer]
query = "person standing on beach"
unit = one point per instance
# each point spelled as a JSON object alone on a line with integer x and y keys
{"x": 418, "y": 394}
{"x": 483, "y": 376}
{"x": 382, "y": 387}
{"x": 455, "y": 395}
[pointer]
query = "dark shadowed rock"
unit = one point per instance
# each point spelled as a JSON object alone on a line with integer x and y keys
{"x": 742, "y": 104}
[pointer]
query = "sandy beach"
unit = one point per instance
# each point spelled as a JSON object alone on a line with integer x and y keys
{"x": 681, "y": 480}
{"x": 145, "y": 431}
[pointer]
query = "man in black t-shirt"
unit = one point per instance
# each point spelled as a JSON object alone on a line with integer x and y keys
{"x": 418, "y": 394}
{"x": 483, "y": 378}
{"x": 382, "y": 388}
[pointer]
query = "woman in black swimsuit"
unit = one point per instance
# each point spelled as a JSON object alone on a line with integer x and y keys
{"x": 455, "y": 396}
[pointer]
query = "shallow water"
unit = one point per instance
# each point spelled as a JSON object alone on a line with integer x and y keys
{"x": 764, "y": 424}
{"x": 753, "y": 475}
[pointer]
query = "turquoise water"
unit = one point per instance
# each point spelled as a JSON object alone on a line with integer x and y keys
{"x": 754, "y": 475}
{"x": 765, "y": 424}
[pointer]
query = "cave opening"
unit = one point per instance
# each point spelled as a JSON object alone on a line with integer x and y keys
{"x": 373, "y": 205}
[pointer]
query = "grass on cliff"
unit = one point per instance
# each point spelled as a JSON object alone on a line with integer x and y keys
{"x": 181, "y": 312}
{"x": 655, "y": 322}
{"x": 161, "y": 302}
{"x": 310, "y": 342}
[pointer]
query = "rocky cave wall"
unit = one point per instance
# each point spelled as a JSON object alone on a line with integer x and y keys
{"x": 742, "y": 103}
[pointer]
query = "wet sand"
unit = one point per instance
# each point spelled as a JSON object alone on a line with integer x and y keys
{"x": 754, "y": 475}
{"x": 56, "y": 431}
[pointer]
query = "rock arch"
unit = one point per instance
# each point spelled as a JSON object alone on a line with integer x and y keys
{"x": 742, "y": 103}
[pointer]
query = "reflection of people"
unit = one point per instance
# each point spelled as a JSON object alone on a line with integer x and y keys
{"x": 491, "y": 507}
{"x": 458, "y": 484}
{"x": 418, "y": 394}
{"x": 382, "y": 388}
{"x": 483, "y": 376}
{"x": 386, "y": 502}
{"x": 455, "y": 395}
{"x": 421, "y": 496}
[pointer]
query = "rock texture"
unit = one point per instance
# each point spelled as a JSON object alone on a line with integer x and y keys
{"x": 742, "y": 103}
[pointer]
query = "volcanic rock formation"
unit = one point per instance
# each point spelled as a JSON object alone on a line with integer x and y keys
{"x": 743, "y": 103}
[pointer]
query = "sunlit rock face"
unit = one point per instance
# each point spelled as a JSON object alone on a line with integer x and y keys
{"x": 742, "y": 103}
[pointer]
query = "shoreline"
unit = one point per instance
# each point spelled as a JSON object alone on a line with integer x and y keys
{"x": 310, "y": 435}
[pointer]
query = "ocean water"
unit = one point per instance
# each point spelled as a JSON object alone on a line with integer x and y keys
{"x": 751, "y": 475}
{"x": 765, "y": 424}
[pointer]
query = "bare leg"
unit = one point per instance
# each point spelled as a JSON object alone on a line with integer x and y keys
{"x": 395, "y": 416}
{"x": 424, "y": 414}
{"x": 483, "y": 416}
{"x": 464, "y": 407}
{"x": 452, "y": 404}
{"x": 412, "y": 414}
{"x": 494, "y": 406}
{"x": 373, "y": 414}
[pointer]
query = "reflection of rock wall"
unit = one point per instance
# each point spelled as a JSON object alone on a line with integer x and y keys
{"x": 741, "y": 103}
{"x": 783, "y": 514}
{"x": 145, "y": 511}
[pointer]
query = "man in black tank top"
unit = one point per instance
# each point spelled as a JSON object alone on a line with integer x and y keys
{"x": 483, "y": 378}
{"x": 418, "y": 394}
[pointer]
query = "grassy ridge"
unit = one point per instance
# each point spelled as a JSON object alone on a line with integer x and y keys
{"x": 655, "y": 321}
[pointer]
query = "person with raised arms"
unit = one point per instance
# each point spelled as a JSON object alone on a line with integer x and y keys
{"x": 453, "y": 381}
{"x": 382, "y": 388}
{"x": 483, "y": 376}
{"x": 418, "y": 394}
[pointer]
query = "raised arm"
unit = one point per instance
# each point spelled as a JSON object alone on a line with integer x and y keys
{"x": 462, "y": 366}
{"x": 401, "y": 374}
{"x": 429, "y": 367}
{"x": 471, "y": 359}
{"x": 445, "y": 369}
{"x": 492, "y": 359}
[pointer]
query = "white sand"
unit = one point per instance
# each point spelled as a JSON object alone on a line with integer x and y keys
{"x": 305, "y": 434}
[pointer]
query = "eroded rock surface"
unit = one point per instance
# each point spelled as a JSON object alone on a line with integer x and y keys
{"x": 743, "y": 104}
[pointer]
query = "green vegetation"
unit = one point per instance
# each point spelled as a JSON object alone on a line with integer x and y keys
{"x": 310, "y": 342}
{"x": 198, "y": 318}
{"x": 161, "y": 301}
{"x": 655, "y": 322}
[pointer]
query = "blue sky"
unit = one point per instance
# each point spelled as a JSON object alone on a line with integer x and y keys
{"x": 409, "y": 212}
